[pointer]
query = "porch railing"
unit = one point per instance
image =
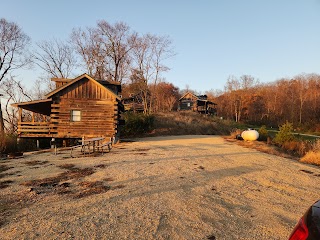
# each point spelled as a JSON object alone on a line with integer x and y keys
{"x": 27, "y": 128}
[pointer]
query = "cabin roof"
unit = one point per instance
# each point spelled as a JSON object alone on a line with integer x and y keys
{"x": 108, "y": 82}
{"x": 38, "y": 106}
{"x": 201, "y": 98}
{"x": 78, "y": 79}
{"x": 43, "y": 106}
{"x": 187, "y": 94}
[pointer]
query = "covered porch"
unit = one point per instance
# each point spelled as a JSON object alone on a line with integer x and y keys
{"x": 37, "y": 121}
{"x": 206, "y": 107}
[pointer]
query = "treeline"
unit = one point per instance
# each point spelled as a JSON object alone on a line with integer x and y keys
{"x": 117, "y": 53}
{"x": 245, "y": 99}
{"x": 295, "y": 100}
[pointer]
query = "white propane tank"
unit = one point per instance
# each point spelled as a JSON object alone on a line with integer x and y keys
{"x": 250, "y": 135}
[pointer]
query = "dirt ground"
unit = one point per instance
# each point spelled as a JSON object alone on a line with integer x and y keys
{"x": 182, "y": 187}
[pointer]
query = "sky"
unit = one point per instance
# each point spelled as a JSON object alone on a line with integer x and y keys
{"x": 212, "y": 39}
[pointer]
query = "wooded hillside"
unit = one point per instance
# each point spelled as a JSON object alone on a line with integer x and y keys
{"x": 295, "y": 100}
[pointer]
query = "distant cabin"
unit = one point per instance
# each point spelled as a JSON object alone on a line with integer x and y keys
{"x": 133, "y": 103}
{"x": 200, "y": 104}
{"x": 79, "y": 107}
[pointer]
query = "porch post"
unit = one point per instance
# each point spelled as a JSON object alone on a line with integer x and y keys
{"x": 207, "y": 106}
{"x": 20, "y": 115}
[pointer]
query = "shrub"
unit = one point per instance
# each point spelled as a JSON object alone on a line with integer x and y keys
{"x": 8, "y": 144}
{"x": 295, "y": 147}
{"x": 316, "y": 146}
{"x": 11, "y": 144}
{"x": 263, "y": 133}
{"x": 313, "y": 155}
{"x": 137, "y": 124}
{"x": 284, "y": 134}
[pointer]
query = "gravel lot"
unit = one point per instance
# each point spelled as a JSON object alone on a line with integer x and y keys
{"x": 181, "y": 187}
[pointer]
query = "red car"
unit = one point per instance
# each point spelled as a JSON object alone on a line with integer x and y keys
{"x": 308, "y": 227}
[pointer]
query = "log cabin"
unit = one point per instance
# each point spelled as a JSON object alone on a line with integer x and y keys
{"x": 79, "y": 107}
{"x": 133, "y": 103}
{"x": 200, "y": 104}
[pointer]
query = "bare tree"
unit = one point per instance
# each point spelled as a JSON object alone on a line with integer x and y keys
{"x": 166, "y": 97}
{"x": 41, "y": 87}
{"x": 13, "y": 45}
{"x": 231, "y": 88}
{"x": 105, "y": 49}
{"x": 301, "y": 84}
{"x": 295, "y": 100}
{"x": 117, "y": 41}
{"x": 14, "y": 92}
{"x": 238, "y": 93}
{"x": 148, "y": 55}
{"x": 88, "y": 45}
{"x": 140, "y": 87}
{"x": 162, "y": 50}
{"x": 55, "y": 57}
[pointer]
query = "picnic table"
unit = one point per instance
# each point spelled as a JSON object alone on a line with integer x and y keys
{"x": 94, "y": 142}
{"x": 91, "y": 145}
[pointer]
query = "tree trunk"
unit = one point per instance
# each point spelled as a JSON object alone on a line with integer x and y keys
{"x": 2, "y": 135}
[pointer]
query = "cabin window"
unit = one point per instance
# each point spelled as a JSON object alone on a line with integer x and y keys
{"x": 75, "y": 115}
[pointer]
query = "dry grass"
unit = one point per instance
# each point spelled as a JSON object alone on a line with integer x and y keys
{"x": 55, "y": 184}
{"x": 58, "y": 184}
{"x": 313, "y": 155}
{"x": 5, "y": 184}
{"x": 309, "y": 152}
{"x": 210, "y": 177}
{"x": 35, "y": 162}
{"x": 316, "y": 146}
{"x": 118, "y": 186}
{"x": 90, "y": 188}
{"x": 67, "y": 166}
{"x": 141, "y": 149}
{"x": 261, "y": 147}
{"x": 188, "y": 123}
{"x": 12, "y": 203}
{"x": 109, "y": 179}
{"x": 65, "y": 183}
{"x": 100, "y": 166}
{"x": 235, "y": 132}
{"x": 312, "y": 158}
{"x": 291, "y": 149}
{"x": 4, "y": 168}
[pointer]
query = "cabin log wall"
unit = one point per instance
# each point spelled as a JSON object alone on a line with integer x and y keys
{"x": 98, "y": 118}
{"x": 99, "y": 111}
{"x": 189, "y": 102}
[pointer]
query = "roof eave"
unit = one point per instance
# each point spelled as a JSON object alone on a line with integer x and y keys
{"x": 77, "y": 79}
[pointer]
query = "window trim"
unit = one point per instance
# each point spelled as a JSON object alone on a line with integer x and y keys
{"x": 75, "y": 117}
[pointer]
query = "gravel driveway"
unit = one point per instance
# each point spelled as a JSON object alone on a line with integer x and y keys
{"x": 181, "y": 187}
